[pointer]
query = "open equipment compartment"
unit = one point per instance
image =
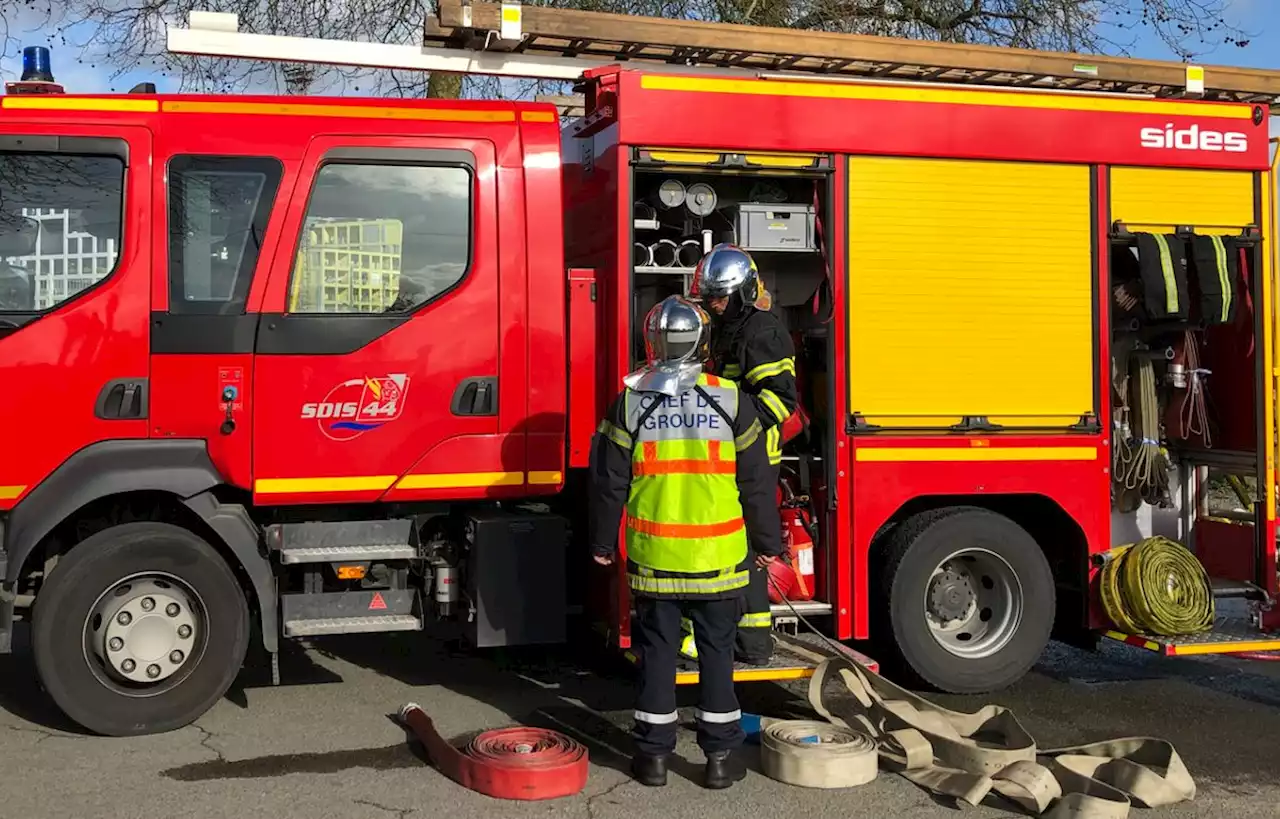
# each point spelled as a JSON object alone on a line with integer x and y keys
{"x": 774, "y": 206}
{"x": 1188, "y": 383}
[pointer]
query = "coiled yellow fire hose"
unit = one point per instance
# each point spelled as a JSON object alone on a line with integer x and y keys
{"x": 1157, "y": 587}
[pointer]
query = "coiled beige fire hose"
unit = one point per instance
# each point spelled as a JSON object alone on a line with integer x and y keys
{"x": 938, "y": 750}
{"x": 816, "y": 754}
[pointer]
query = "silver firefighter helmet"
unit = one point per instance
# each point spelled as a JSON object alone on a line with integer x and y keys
{"x": 725, "y": 271}
{"x": 676, "y": 345}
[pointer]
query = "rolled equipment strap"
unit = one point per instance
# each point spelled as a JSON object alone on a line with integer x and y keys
{"x": 817, "y": 754}
{"x": 510, "y": 763}
{"x": 968, "y": 756}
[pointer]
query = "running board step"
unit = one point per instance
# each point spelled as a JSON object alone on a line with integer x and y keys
{"x": 353, "y": 612}
{"x": 1230, "y": 635}
{"x": 344, "y": 541}
{"x": 351, "y": 625}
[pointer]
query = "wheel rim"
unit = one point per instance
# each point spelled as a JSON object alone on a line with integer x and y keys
{"x": 145, "y": 634}
{"x": 973, "y": 603}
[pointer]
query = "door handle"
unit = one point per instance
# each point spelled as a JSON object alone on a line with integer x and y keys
{"x": 122, "y": 399}
{"x": 476, "y": 396}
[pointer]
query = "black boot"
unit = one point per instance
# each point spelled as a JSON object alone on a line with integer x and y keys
{"x": 723, "y": 769}
{"x": 649, "y": 770}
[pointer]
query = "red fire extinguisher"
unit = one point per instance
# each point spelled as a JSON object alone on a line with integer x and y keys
{"x": 793, "y": 576}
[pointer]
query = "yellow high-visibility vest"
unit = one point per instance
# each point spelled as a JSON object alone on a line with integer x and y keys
{"x": 683, "y": 513}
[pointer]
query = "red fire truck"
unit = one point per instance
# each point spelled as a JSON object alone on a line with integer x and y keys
{"x": 288, "y": 367}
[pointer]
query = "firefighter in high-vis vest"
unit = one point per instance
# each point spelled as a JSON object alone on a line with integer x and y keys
{"x": 684, "y": 457}
{"x": 750, "y": 346}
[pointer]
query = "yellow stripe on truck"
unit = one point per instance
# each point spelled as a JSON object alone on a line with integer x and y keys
{"x": 461, "y": 480}
{"x": 378, "y": 483}
{"x": 951, "y": 454}
{"x": 60, "y": 103}
{"x": 11, "y": 492}
{"x": 306, "y": 486}
{"x": 347, "y": 110}
{"x": 902, "y": 93}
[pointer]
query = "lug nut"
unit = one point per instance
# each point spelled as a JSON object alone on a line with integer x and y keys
{"x": 148, "y": 604}
{"x": 172, "y": 609}
{"x": 153, "y": 671}
{"x": 128, "y": 666}
{"x": 115, "y": 644}
{"x": 124, "y": 618}
{"x": 175, "y": 656}
{"x": 184, "y": 631}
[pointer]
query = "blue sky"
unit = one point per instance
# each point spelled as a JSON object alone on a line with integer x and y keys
{"x": 1260, "y": 19}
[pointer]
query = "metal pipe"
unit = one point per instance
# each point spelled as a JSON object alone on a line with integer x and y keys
{"x": 641, "y": 256}
{"x": 689, "y": 253}
{"x": 664, "y": 253}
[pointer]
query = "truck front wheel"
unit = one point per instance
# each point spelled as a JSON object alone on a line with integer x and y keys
{"x": 969, "y": 597}
{"x": 140, "y": 629}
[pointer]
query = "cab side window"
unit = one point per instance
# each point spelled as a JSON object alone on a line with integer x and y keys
{"x": 61, "y": 221}
{"x": 382, "y": 238}
{"x": 218, "y": 212}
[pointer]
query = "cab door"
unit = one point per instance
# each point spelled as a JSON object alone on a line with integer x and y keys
{"x": 377, "y": 354}
{"x": 211, "y": 233}
{"x": 75, "y": 287}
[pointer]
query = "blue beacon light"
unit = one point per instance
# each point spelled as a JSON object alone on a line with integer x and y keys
{"x": 36, "y": 64}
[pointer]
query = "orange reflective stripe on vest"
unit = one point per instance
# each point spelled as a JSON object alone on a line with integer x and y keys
{"x": 685, "y": 531}
{"x": 651, "y": 464}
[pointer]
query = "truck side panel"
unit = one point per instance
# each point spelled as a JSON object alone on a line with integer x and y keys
{"x": 909, "y": 120}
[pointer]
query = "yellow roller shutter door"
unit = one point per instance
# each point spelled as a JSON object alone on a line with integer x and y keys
{"x": 970, "y": 292}
{"x": 1156, "y": 200}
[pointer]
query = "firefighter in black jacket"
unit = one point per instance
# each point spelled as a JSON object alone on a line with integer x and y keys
{"x": 749, "y": 345}
{"x": 684, "y": 456}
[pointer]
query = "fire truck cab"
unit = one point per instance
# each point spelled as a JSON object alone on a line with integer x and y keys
{"x": 211, "y": 338}
{"x": 289, "y": 367}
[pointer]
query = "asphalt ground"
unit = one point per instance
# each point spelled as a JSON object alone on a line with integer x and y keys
{"x": 323, "y": 744}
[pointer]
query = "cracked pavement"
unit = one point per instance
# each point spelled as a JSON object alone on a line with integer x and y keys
{"x": 324, "y": 744}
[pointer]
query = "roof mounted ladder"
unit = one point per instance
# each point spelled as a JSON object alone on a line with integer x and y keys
{"x": 560, "y": 44}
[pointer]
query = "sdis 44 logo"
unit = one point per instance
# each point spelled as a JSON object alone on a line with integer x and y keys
{"x": 361, "y": 404}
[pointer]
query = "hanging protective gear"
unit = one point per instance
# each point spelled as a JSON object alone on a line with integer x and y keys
{"x": 676, "y": 345}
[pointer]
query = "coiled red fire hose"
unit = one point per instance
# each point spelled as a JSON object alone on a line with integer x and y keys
{"x": 510, "y": 763}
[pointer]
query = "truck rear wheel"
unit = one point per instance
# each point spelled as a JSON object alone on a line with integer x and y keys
{"x": 969, "y": 597}
{"x": 140, "y": 629}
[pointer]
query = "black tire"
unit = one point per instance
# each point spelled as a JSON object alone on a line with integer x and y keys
{"x": 71, "y": 673}
{"x": 903, "y": 566}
